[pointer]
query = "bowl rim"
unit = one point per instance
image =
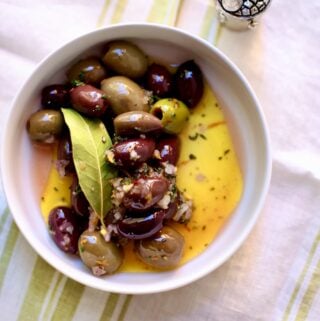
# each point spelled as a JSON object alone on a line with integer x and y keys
{"x": 39, "y": 248}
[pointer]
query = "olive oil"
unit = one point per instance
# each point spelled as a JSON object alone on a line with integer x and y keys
{"x": 208, "y": 173}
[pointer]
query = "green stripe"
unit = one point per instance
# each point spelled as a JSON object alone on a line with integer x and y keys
{"x": 118, "y": 12}
{"x": 158, "y": 11}
{"x": 39, "y": 284}
{"x": 109, "y": 307}
{"x": 8, "y": 251}
{"x": 125, "y": 308}
{"x": 308, "y": 297}
{"x": 68, "y": 301}
{"x": 301, "y": 278}
{"x": 51, "y": 301}
{"x": 3, "y": 218}
{"x": 207, "y": 22}
{"x": 103, "y": 13}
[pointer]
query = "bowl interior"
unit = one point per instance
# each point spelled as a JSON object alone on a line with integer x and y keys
{"x": 244, "y": 118}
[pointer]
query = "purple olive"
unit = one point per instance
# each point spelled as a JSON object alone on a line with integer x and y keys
{"x": 133, "y": 152}
{"x": 159, "y": 80}
{"x": 141, "y": 227}
{"x": 169, "y": 149}
{"x": 66, "y": 226}
{"x": 65, "y": 163}
{"x": 88, "y": 100}
{"x": 78, "y": 201}
{"x": 172, "y": 209}
{"x": 189, "y": 83}
{"x": 55, "y": 96}
{"x": 145, "y": 193}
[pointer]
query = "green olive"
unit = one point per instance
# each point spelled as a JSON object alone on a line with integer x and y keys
{"x": 89, "y": 71}
{"x": 100, "y": 256}
{"x": 163, "y": 250}
{"x": 45, "y": 125}
{"x": 173, "y": 114}
{"x": 126, "y": 59}
{"x": 124, "y": 95}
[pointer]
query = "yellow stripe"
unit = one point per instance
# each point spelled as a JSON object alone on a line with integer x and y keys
{"x": 68, "y": 301}
{"x": 158, "y": 11}
{"x": 103, "y": 13}
{"x": 308, "y": 297}
{"x": 109, "y": 307}
{"x": 8, "y": 251}
{"x": 207, "y": 22}
{"x": 118, "y": 12}
{"x": 178, "y": 12}
{"x": 218, "y": 34}
{"x": 39, "y": 285}
{"x": 125, "y": 308}
{"x": 174, "y": 9}
{"x": 301, "y": 278}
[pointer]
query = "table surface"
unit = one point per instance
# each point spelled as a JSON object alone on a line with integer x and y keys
{"x": 276, "y": 273}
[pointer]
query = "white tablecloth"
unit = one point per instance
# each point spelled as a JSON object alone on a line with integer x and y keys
{"x": 276, "y": 273}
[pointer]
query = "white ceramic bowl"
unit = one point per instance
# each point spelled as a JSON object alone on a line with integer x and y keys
{"x": 244, "y": 117}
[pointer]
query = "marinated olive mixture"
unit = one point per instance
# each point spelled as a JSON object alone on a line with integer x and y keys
{"x": 145, "y": 173}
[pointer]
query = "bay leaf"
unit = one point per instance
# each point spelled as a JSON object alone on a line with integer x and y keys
{"x": 90, "y": 140}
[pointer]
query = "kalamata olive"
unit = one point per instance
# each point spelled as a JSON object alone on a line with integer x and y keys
{"x": 65, "y": 165}
{"x": 125, "y": 59}
{"x": 136, "y": 122}
{"x": 169, "y": 148}
{"x": 45, "y": 125}
{"x": 89, "y": 71}
{"x": 145, "y": 193}
{"x": 137, "y": 228}
{"x": 163, "y": 250}
{"x": 78, "y": 201}
{"x": 124, "y": 95}
{"x": 88, "y": 100}
{"x": 55, "y": 96}
{"x": 172, "y": 209}
{"x": 100, "y": 256}
{"x": 189, "y": 83}
{"x": 66, "y": 226}
{"x": 133, "y": 152}
{"x": 173, "y": 114}
{"x": 159, "y": 80}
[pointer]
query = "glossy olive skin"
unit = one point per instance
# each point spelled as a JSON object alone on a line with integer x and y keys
{"x": 133, "y": 152}
{"x": 100, "y": 256}
{"x": 138, "y": 228}
{"x": 88, "y": 100}
{"x": 145, "y": 193}
{"x": 189, "y": 83}
{"x": 65, "y": 227}
{"x": 65, "y": 163}
{"x": 173, "y": 114}
{"x": 79, "y": 202}
{"x": 124, "y": 95}
{"x": 89, "y": 71}
{"x": 169, "y": 148}
{"x": 163, "y": 250}
{"x": 55, "y": 96}
{"x": 125, "y": 59}
{"x": 159, "y": 80}
{"x": 45, "y": 125}
{"x": 136, "y": 122}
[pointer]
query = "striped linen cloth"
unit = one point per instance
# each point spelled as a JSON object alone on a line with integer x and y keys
{"x": 276, "y": 273}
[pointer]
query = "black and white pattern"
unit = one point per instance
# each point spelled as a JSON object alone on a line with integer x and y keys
{"x": 245, "y": 9}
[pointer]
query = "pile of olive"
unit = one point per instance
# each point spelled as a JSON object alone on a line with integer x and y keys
{"x": 144, "y": 107}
